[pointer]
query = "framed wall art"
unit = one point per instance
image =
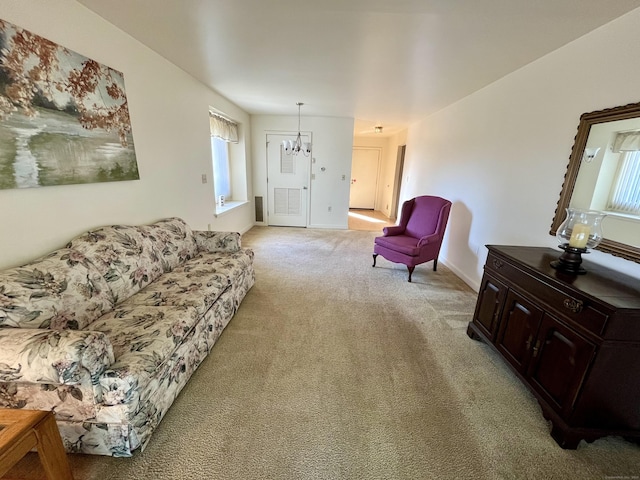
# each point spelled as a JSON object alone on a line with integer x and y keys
{"x": 64, "y": 118}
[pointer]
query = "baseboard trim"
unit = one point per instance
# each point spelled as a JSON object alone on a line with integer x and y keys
{"x": 475, "y": 285}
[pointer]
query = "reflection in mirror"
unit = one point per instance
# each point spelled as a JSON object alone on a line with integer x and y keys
{"x": 604, "y": 175}
{"x": 609, "y": 181}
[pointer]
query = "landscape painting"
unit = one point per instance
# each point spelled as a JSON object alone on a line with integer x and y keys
{"x": 64, "y": 118}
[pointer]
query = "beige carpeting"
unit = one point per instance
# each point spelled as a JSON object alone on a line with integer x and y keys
{"x": 332, "y": 369}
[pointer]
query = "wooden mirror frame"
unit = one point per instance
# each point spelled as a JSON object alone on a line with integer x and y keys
{"x": 624, "y": 112}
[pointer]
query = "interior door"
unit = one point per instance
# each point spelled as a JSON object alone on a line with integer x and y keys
{"x": 365, "y": 164}
{"x": 287, "y": 183}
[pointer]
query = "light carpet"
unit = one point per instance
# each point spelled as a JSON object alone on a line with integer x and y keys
{"x": 332, "y": 369}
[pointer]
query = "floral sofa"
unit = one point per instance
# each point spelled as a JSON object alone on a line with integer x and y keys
{"x": 106, "y": 331}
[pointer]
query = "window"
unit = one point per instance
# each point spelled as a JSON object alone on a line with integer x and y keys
{"x": 221, "y": 173}
{"x": 223, "y": 132}
{"x": 625, "y": 194}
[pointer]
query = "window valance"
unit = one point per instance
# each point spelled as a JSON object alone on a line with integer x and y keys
{"x": 627, "y": 142}
{"x": 223, "y": 128}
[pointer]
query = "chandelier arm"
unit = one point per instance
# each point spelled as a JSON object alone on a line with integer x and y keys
{"x": 297, "y": 147}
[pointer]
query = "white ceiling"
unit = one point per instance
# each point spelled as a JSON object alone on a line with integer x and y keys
{"x": 387, "y": 62}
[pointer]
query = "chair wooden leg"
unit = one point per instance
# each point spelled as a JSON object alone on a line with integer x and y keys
{"x": 410, "y": 272}
{"x": 375, "y": 256}
{"x": 435, "y": 264}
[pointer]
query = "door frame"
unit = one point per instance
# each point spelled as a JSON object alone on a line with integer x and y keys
{"x": 397, "y": 182}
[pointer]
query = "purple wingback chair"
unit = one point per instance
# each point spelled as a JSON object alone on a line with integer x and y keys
{"x": 418, "y": 236}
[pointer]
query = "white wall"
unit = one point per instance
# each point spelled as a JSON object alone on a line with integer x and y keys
{"x": 332, "y": 149}
{"x": 169, "y": 117}
{"x": 500, "y": 155}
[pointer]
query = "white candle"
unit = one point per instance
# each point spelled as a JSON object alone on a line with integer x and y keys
{"x": 579, "y": 235}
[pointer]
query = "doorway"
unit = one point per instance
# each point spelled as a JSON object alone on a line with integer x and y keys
{"x": 287, "y": 183}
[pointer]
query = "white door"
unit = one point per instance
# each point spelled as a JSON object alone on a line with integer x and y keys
{"x": 287, "y": 183}
{"x": 365, "y": 164}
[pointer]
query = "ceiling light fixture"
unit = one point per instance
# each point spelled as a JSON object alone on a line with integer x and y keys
{"x": 378, "y": 128}
{"x": 296, "y": 147}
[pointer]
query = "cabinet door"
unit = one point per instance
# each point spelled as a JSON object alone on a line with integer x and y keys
{"x": 518, "y": 327}
{"x": 489, "y": 306}
{"x": 560, "y": 360}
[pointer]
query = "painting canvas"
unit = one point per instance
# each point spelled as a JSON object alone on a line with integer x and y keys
{"x": 64, "y": 118}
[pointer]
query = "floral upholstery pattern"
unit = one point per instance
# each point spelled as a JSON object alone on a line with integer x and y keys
{"x": 143, "y": 339}
{"x": 214, "y": 242}
{"x": 123, "y": 255}
{"x": 53, "y": 356}
{"x": 107, "y": 331}
{"x": 60, "y": 290}
{"x": 173, "y": 240}
{"x": 75, "y": 403}
{"x": 194, "y": 285}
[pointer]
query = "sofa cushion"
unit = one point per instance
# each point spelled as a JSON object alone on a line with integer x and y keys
{"x": 143, "y": 338}
{"x": 229, "y": 264}
{"x": 213, "y": 242}
{"x": 124, "y": 257}
{"x": 62, "y": 290}
{"x": 173, "y": 239}
{"x": 193, "y": 284}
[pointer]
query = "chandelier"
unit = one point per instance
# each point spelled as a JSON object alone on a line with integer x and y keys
{"x": 296, "y": 147}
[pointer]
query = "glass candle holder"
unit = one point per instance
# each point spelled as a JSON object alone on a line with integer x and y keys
{"x": 581, "y": 230}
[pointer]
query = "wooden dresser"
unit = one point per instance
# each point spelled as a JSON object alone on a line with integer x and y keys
{"x": 573, "y": 340}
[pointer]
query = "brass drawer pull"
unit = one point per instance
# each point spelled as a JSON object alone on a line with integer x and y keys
{"x": 574, "y": 305}
{"x": 497, "y": 264}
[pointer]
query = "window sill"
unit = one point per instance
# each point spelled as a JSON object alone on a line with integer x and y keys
{"x": 228, "y": 206}
{"x": 622, "y": 216}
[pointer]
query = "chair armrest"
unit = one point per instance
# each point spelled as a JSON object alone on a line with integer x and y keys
{"x": 434, "y": 237}
{"x": 52, "y": 356}
{"x": 394, "y": 230}
{"x": 213, "y": 242}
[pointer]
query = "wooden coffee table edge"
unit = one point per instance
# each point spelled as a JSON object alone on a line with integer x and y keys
{"x": 26, "y": 429}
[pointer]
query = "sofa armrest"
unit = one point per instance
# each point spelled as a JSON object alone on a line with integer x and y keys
{"x": 393, "y": 230}
{"x": 434, "y": 237}
{"x": 52, "y": 356}
{"x": 213, "y": 242}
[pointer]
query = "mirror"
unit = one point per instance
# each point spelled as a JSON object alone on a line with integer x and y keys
{"x": 591, "y": 172}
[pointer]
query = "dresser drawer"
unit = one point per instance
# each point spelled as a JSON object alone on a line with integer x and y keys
{"x": 576, "y": 308}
